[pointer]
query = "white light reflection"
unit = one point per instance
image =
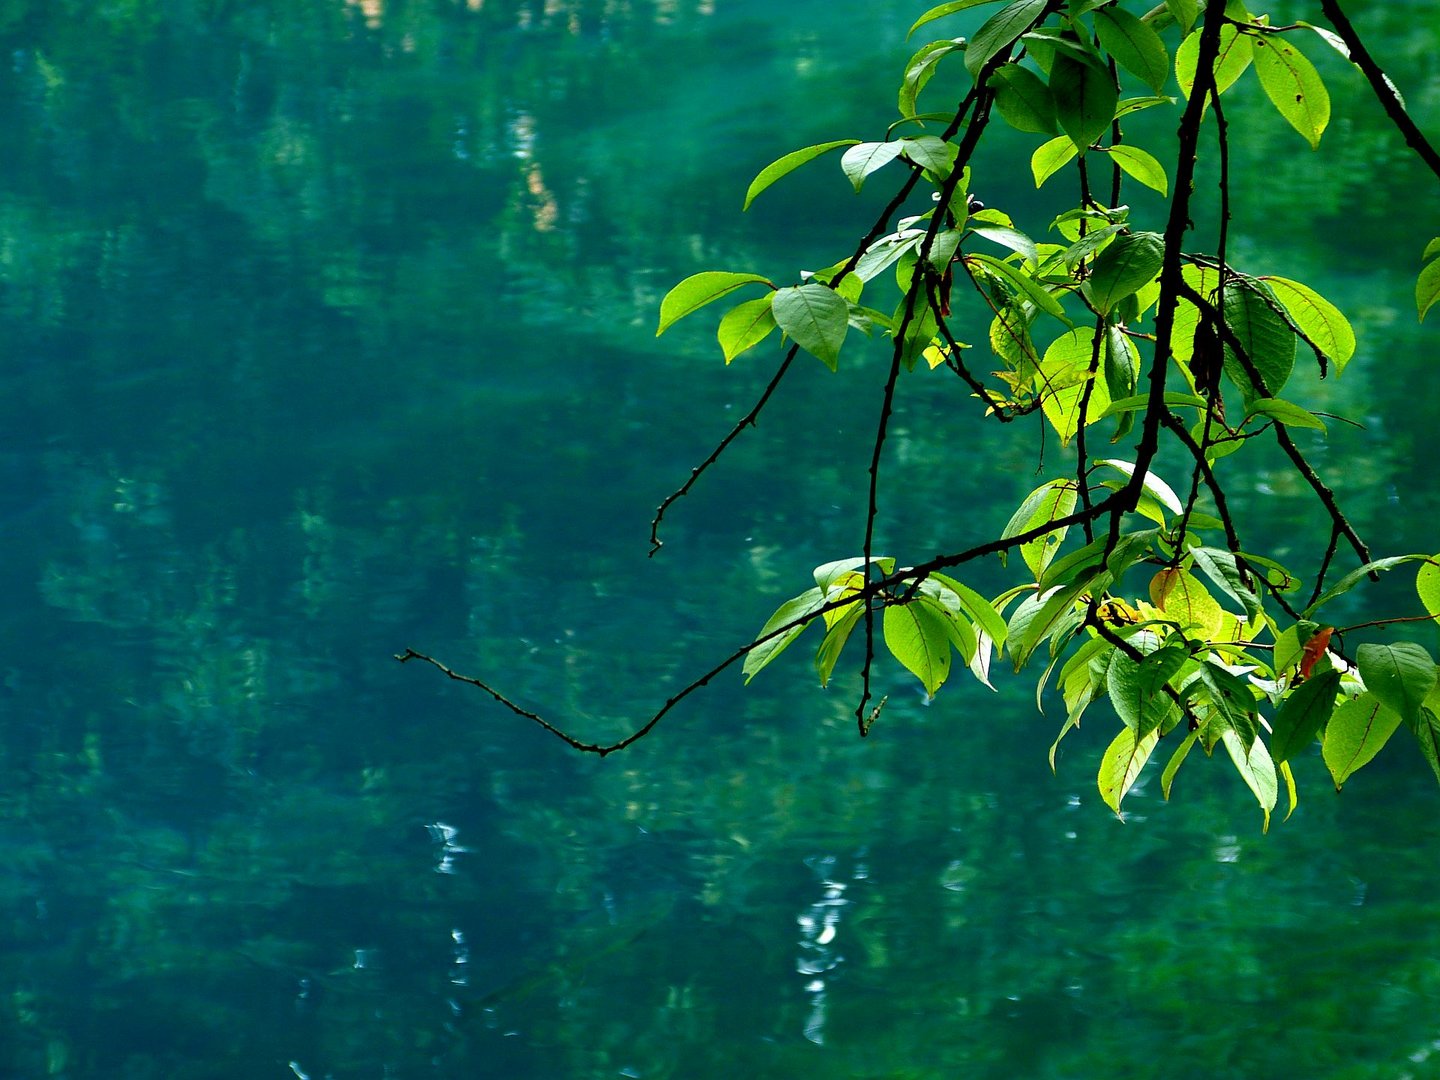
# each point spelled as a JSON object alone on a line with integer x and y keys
{"x": 819, "y": 927}
{"x": 461, "y": 954}
{"x": 444, "y": 835}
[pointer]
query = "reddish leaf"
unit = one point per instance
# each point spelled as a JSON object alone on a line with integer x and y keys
{"x": 1314, "y": 649}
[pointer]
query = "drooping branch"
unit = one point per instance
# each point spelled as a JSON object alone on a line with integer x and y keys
{"x": 745, "y": 421}
{"x": 1170, "y": 278}
{"x": 1381, "y": 84}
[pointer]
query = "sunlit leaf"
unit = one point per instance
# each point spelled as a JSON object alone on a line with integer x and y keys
{"x": 1135, "y": 47}
{"x": 1256, "y": 768}
{"x": 978, "y": 608}
{"x": 861, "y": 160}
{"x": 1286, "y": 412}
{"x": 1121, "y": 764}
{"x": 1051, "y": 157}
{"x": 1000, "y": 30}
{"x": 941, "y": 10}
{"x": 1085, "y": 99}
{"x": 1142, "y": 166}
{"x": 1427, "y": 288}
{"x": 1167, "y": 778}
{"x": 919, "y": 70}
{"x": 1046, "y": 503}
{"x": 1400, "y": 675}
{"x": 807, "y": 603}
{"x": 1062, "y": 379}
{"x": 815, "y": 317}
{"x": 931, "y": 153}
{"x": 697, "y": 290}
{"x": 1427, "y": 586}
{"x": 745, "y": 326}
{"x": 789, "y": 163}
{"x": 1230, "y": 63}
{"x": 1162, "y": 492}
{"x": 1321, "y": 321}
{"x": 834, "y": 641}
{"x": 1357, "y": 731}
{"x": 1293, "y": 85}
{"x": 916, "y": 636}
{"x": 1183, "y": 598}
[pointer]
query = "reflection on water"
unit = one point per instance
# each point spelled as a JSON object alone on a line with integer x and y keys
{"x": 329, "y": 330}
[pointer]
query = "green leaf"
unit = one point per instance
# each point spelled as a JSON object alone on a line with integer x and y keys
{"x": 1230, "y": 63}
{"x": 1167, "y": 778}
{"x": 1302, "y": 714}
{"x": 920, "y": 68}
{"x": 931, "y": 153}
{"x": 1400, "y": 676}
{"x": 697, "y": 290}
{"x": 1121, "y": 764}
{"x": 1432, "y": 249}
{"x": 1038, "y": 617}
{"x": 1085, "y": 99}
{"x": 829, "y": 574}
{"x": 1025, "y": 286}
{"x": 1046, "y": 503}
{"x": 1161, "y": 491}
{"x": 1427, "y": 733}
{"x": 828, "y": 653}
{"x": 1024, "y": 101}
{"x": 1350, "y": 580}
{"x": 1121, "y": 269}
{"x": 816, "y": 317}
{"x": 1184, "y": 13}
{"x": 1013, "y": 239}
{"x": 1287, "y": 412}
{"x": 1255, "y": 767}
{"x": 1427, "y": 288}
{"x": 745, "y": 326}
{"x": 1050, "y": 158}
{"x": 1293, "y": 85}
{"x": 807, "y": 603}
{"x": 941, "y": 10}
{"x": 1000, "y": 30}
{"x": 1183, "y": 598}
{"x": 1427, "y": 586}
{"x": 1219, "y": 566}
{"x": 917, "y": 637}
{"x": 1355, "y": 734}
{"x": 1135, "y": 104}
{"x": 977, "y": 607}
{"x": 789, "y": 163}
{"x": 1063, "y": 376}
{"x": 1266, "y": 338}
{"x": 1142, "y": 166}
{"x": 1318, "y": 319}
{"x": 864, "y": 158}
{"x": 1136, "y": 689}
{"x": 1135, "y": 47}
{"x": 885, "y": 251}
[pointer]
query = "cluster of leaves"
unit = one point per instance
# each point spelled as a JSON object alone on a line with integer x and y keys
{"x": 1133, "y": 592}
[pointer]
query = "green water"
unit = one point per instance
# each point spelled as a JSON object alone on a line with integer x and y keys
{"x": 328, "y": 330}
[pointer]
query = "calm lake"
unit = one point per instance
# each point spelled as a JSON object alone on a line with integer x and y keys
{"x": 328, "y": 330}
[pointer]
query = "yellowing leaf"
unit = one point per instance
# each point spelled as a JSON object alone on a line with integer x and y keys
{"x": 1293, "y": 85}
